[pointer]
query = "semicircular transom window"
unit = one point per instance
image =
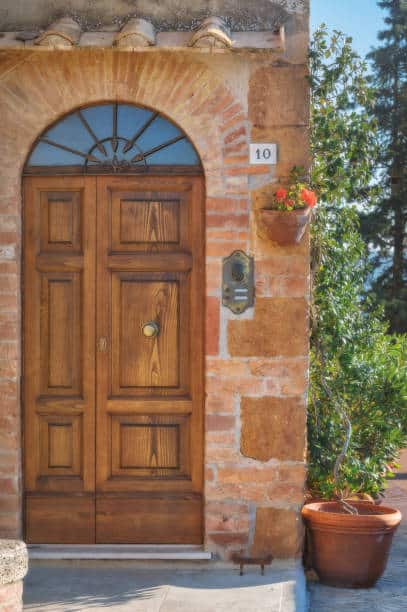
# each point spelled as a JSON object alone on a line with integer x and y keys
{"x": 112, "y": 137}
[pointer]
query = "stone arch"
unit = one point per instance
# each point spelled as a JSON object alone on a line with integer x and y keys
{"x": 37, "y": 92}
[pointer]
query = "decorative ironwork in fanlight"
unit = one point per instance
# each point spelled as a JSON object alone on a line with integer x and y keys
{"x": 113, "y": 137}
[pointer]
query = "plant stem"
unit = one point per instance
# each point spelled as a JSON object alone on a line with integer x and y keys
{"x": 345, "y": 418}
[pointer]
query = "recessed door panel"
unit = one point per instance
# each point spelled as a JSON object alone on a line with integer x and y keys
{"x": 144, "y": 304}
{"x": 61, "y": 222}
{"x": 149, "y": 361}
{"x": 148, "y": 221}
{"x": 60, "y": 440}
{"x": 150, "y": 446}
{"x": 61, "y": 333}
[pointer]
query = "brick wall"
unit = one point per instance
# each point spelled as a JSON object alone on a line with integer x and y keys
{"x": 256, "y": 368}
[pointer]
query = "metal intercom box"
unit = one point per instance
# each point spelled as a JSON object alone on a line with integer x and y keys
{"x": 238, "y": 282}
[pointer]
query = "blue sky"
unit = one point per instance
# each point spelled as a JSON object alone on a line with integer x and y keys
{"x": 361, "y": 19}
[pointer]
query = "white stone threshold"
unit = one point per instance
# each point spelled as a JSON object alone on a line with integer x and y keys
{"x": 141, "y": 552}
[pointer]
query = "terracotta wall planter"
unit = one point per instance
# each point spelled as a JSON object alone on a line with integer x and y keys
{"x": 349, "y": 550}
{"x": 282, "y": 227}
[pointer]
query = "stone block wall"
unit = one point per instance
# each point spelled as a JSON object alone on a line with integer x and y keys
{"x": 13, "y": 568}
{"x": 256, "y": 363}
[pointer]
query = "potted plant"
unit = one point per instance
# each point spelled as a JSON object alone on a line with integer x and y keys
{"x": 287, "y": 218}
{"x": 357, "y": 417}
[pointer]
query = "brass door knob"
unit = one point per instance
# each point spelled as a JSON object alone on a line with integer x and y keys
{"x": 151, "y": 329}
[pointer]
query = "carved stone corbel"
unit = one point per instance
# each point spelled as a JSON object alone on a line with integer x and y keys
{"x": 213, "y": 32}
{"x": 64, "y": 32}
{"x": 136, "y": 33}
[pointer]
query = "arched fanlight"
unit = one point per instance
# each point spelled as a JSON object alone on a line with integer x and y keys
{"x": 112, "y": 137}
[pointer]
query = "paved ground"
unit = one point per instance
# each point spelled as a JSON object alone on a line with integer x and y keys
{"x": 390, "y": 593}
{"x": 71, "y": 588}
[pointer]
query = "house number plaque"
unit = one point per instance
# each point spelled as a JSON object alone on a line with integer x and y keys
{"x": 263, "y": 153}
{"x": 238, "y": 282}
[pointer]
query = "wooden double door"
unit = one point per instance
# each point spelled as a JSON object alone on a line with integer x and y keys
{"x": 113, "y": 359}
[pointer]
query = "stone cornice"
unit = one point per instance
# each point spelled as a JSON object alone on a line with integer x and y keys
{"x": 173, "y": 41}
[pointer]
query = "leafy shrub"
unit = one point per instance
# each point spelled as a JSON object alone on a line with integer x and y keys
{"x": 363, "y": 368}
{"x": 357, "y": 420}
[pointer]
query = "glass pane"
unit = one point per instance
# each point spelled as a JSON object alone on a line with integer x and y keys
{"x": 45, "y": 155}
{"x": 71, "y": 133}
{"x": 90, "y": 131}
{"x": 100, "y": 119}
{"x": 130, "y": 119}
{"x": 157, "y": 133}
{"x": 181, "y": 153}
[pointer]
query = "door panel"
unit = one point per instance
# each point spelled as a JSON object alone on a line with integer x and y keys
{"x": 123, "y": 257}
{"x": 59, "y": 363}
{"x": 143, "y": 365}
{"x": 150, "y": 447}
{"x": 61, "y": 333}
{"x": 60, "y": 442}
{"x": 144, "y": 220}
{"x": 63, "y": 519}
{"x": 152, "y": 361}
{"x": 149, "y": 520}
{"x": 61, "y": 219}
{"x": 149, "y": 398}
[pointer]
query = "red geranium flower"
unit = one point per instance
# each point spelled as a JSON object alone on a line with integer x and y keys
{"x": 281, "y": 194}
{"x": 308, "y": 197}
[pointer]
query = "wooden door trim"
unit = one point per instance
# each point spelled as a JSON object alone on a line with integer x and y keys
{"x": 151, "y": 171}
{"x": 158, "y": 262}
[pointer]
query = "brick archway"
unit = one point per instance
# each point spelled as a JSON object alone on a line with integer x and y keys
{"x": 41, "y": 88}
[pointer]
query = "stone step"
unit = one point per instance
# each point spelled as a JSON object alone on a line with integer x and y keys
{"x": 119, "y": 551}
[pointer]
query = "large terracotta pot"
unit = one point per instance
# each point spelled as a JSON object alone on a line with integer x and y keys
{"x": 350, "y": 550}
{"x": 281, "y": 226}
